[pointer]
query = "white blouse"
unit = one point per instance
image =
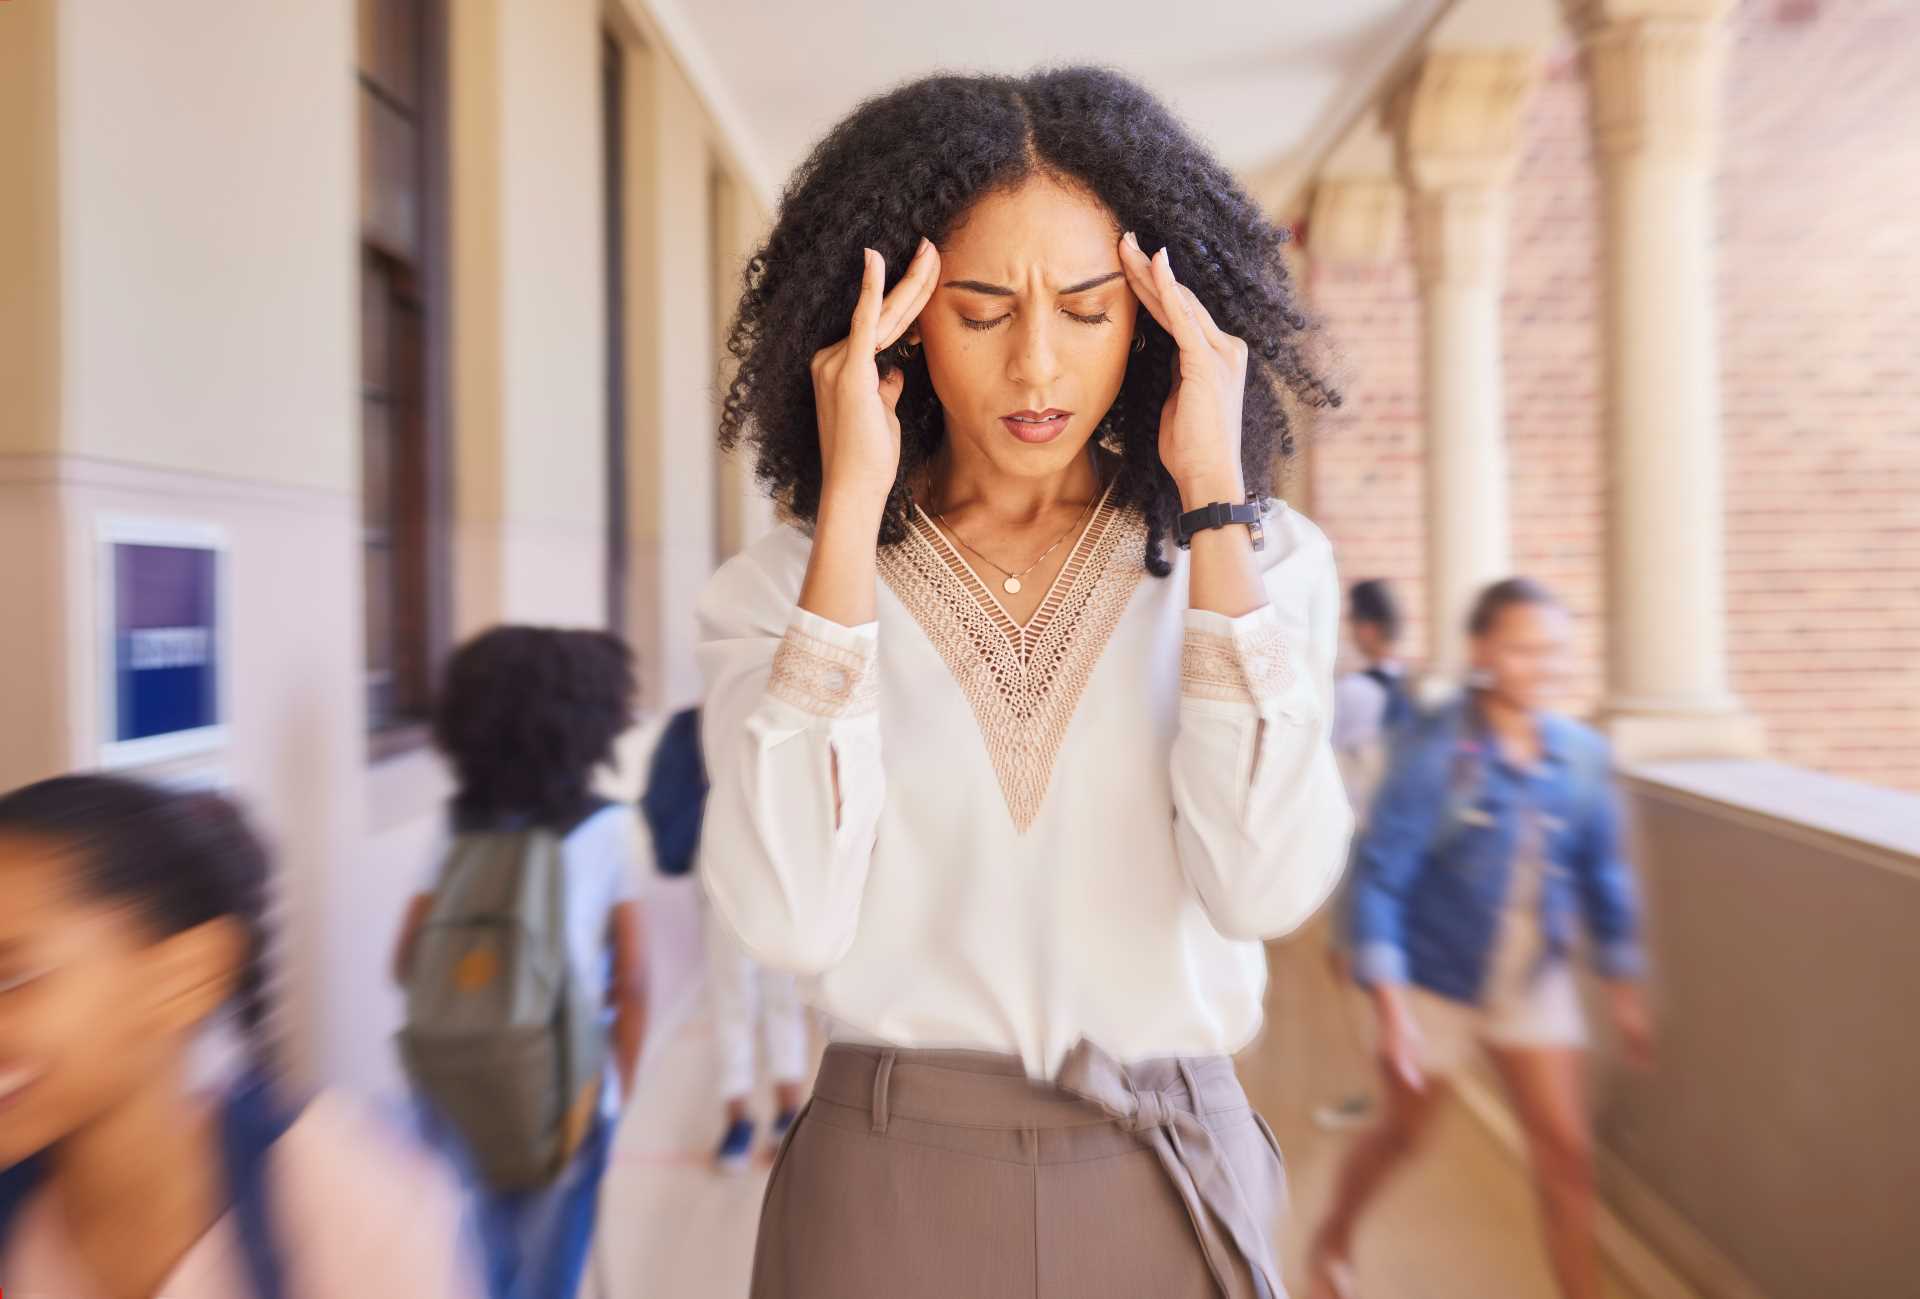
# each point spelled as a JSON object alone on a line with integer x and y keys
{"x": 1080, "y": 827}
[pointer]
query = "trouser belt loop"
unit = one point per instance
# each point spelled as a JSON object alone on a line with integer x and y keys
{"x": 882, "y": 1081}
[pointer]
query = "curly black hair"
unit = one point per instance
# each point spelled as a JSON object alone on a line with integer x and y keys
{"x": 527, "y": 713}
{"x": 913, "y": 162}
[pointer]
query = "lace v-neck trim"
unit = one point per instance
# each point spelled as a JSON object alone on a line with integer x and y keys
{"x": 1023, "y": 682}
{"x": 1023, "y": 635}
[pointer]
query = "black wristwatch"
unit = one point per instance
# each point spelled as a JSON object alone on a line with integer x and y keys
{"x": 1219, "y": 515}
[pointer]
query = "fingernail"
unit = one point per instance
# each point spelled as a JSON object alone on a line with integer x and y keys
{"x": 1134, "y": 240}
{"x": 926, "y": 245}
{"x": 867, "y": 254}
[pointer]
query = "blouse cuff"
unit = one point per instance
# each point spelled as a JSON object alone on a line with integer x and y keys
{"x": 827, "y": 669}
{"x": 1255, "y": 659}
{"x": 1378, "y": 963}
{"x": 1621, "y": 961}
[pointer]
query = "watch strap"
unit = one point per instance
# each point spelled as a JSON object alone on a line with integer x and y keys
{"x": 1221, "y": 514}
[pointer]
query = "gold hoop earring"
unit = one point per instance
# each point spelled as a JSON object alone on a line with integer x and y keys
{"x": 1139, "y": 340}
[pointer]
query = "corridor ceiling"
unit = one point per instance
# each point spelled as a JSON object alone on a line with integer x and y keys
{"x": 1268, "y": 84}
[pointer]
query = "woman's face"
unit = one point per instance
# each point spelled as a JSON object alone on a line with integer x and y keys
{"x": 1028, "y": 334}
{"x": 92, "y": 1006}
{"x": 1524, "y": 654}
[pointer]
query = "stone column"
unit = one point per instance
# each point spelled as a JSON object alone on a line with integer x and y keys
{"x": 746, "y": 512}
{"x": 1460, "y": 144}
{"x": 1355, "y": 219}
{"x": 1654, "y": 71}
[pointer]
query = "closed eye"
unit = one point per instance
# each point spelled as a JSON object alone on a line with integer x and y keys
{"x": 1100, "y": 319}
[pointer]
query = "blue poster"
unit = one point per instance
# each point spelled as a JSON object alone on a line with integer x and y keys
{"x": 165, "y": 637}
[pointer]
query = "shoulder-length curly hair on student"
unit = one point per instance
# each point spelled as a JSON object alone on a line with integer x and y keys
{"x": 526, "y": 714}
{"x": 913, "y": 162}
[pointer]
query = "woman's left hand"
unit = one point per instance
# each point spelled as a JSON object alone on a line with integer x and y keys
{"x": 1200, "y": 423}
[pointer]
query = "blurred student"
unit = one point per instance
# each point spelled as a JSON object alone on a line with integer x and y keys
{"x": 1496, "y": 831}
{"x": 748, "y": 1000}
{"x": 522, "y": 953}
{"x": 1372, "y": 703}
{"x": 1370, "y": 706}
{"x": 132, "y": 925}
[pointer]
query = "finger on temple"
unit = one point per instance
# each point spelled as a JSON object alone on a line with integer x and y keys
{"x": 909, "y": 297}
{"x": 866, "y": 312}
{"x": 1180, "y": 320}
{"x": 1139, "y": 269}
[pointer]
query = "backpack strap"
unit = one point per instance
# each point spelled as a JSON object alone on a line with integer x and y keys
{"x": 1398, "y": 710}
{"x": 17, "y": 1185}
{"x": 250, "y": 1124}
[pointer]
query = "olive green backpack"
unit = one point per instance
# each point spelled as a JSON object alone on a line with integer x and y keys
{"x": 501, "y": 1038}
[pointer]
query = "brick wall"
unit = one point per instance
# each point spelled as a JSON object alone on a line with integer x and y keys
{"x": 1820, "y": 358}
{"x": 1820, "y": 309}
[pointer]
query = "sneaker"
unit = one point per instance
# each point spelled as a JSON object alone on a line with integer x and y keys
{"x": 736, "y": 1147}
{"x": 1342, "y": 1115}
{"x": 782, "y": 1124}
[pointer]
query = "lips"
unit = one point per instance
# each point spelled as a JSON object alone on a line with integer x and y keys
{"x": 1037, "y": 426}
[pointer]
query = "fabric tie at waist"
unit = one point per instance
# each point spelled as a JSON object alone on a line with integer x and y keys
{"x": 1222, "y": 1218}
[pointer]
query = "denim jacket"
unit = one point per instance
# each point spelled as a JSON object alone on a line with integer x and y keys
{"x": 1430, "y": 873}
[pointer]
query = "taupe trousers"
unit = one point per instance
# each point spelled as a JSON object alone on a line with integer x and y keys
{"x": 951, "y": 1175}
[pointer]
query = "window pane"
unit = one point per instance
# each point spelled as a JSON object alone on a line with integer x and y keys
{"x": 379, "y": 609}
{"x": 376, "y": 469}
{"x": 402, "y": 473}
{"x": 390, "y": 47}
{"x": 374, "y": 330}
{"x": 389, "y": 179}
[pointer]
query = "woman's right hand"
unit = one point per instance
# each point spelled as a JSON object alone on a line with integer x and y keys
{"x": 859, "y": 431}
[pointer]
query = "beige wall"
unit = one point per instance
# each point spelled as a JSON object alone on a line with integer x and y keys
{"x": 191, "y": 319}
{"x": 179, "y": 341}
{"x": 29, "y": 231}
{"x": 475, "y": 110}
{"x": 740, "y": 224}
{"x": 208, "y": 169}
{"x": 671, "y": 367}
{"x": 553, "y": 363}
{"x": 529, "y": 339}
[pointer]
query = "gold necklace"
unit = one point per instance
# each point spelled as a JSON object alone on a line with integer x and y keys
{"x": 1011, "y": 585}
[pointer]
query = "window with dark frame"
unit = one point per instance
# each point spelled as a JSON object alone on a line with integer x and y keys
{"x": 404, "y": 469}
{"x": 613, "y": 139}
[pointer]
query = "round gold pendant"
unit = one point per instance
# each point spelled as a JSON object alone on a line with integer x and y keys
{"x": 1012, "y": 585}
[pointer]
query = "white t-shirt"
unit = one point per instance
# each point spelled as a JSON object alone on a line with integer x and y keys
{"x": 607, "y": 859}
{"x": 1359, "y": 717}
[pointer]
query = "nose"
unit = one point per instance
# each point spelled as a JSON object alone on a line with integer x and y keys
{"x": 1033, "y": 362}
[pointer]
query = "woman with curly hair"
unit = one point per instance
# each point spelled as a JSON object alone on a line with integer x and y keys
{"x": 526, "y": 716}
{"x": 1018, "y": 731}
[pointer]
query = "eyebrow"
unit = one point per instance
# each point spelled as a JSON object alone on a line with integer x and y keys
{"x": 1001, "y": 291}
